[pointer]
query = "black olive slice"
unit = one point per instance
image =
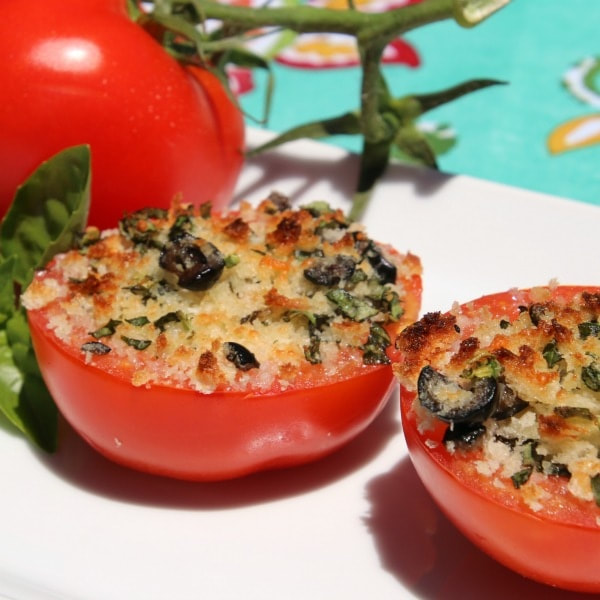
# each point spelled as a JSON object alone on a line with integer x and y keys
{"x": 279, "y": 201}
{"x": 509, "y": 404}
{"x": 451, "y": 403}
{"x": 197, "y": 263}
{"x": 95, "y": 348}
{"x": 328, "y": 272}
{"x": 240, "y": 356}
{"x": 557, "y": 470}
{"x": 536, "y": 313}
{"x": 465, "y": 433}
{"x": 386, "y": 271}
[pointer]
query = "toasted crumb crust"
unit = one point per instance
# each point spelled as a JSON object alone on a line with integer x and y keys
{"x": 259, "y": 298}
{"x": 547, "y": 359}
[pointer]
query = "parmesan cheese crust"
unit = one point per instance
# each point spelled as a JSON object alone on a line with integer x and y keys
{"x": 544, "y": 421}
{"x": 256, "y": 299}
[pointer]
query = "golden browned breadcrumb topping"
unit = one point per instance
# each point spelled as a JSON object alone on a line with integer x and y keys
{"x": 258, "y": 298}
{"x": 523, "y": 391}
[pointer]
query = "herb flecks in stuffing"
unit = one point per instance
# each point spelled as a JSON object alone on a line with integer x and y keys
{"x": 258, "y": 297}
{"x": 541, "y": 415}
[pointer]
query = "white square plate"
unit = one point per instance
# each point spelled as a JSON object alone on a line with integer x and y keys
{"x": 355, "y": 525}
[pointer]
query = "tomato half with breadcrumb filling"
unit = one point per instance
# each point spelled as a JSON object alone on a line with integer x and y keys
{"x": 500, "y": 402}
{"x": 206, "y": 346}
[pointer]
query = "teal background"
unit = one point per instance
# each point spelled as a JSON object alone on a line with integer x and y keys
{"x": 501, "y": 130}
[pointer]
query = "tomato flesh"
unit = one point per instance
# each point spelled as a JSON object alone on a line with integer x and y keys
{"x": 185, "y": 434}
{"x": 81, "y": 72}
{"x": 559, "y": 549}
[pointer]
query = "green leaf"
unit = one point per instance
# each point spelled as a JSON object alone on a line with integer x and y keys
{"x": 347, "y": 124}
{"x": 411, "y": 141}
{"x": 469, "y": 13}
{"x": 374, "y": 351}
{"x": 590, "y": 375}
{"x": 38, "y": 413}
{"x": 249, "y": 60}
{"x": 521, "y": 477}
{"x": 19, "y": 340}
{"x": 589, "y": 328}
{"x": 106, "y": 330}
{"x": 551, "y": 354}
{"x": 25, "y": 401}
{"x": 138, "y": 321}
{"x": 48, "y": 211}
{"x": 135, "y": 343}
{"x": 244, "y": 58}
{"x": 7, "y": 289}
{"x": 440, "y": 137}
{"x": 351, "y": 306}
{"x": 36, "y": 408}
{"x": 133, "y": 9}
{"x": 430, "y": 101}
{"x": 283, "y": 39}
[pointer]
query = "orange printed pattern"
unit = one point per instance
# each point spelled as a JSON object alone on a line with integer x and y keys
{"x": 583, "y": 81}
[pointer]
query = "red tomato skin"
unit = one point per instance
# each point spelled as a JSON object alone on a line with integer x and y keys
{"x": 187, "y": 435}
{"x": 77, "y": 72}
{"x": 558, "y": 552}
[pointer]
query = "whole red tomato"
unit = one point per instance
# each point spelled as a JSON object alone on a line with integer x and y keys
{"x": 80, "y": 71}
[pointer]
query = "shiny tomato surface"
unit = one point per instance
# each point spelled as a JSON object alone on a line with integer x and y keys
{"x": 81, "y": 72}
{"x": 184, "y": 434}
{"x": 561, "y": 548}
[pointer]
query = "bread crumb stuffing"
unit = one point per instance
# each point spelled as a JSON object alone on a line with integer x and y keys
{"x": 274, "y": 295}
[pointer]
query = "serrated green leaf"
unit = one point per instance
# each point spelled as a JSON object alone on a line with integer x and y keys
{"x": 25, "y": 401}
{"x": 469, "y": 13}
{"x": 19, "y": 339}
{"x": 36, "y": 409}
{"x": 11, "y": 378}
{"x": 48, "y": 211}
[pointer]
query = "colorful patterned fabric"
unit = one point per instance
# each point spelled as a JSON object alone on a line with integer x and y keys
{"x": 541, "y": 131}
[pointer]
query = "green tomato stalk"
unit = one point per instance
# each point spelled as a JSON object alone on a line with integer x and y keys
{"x": 384, "y": 122}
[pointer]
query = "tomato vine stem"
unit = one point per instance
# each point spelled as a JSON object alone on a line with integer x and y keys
{"x": 382, "y": 121}
{"x": 311, "y": 19}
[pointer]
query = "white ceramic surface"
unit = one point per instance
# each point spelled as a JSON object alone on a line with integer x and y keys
{"x": 357, "y": 525}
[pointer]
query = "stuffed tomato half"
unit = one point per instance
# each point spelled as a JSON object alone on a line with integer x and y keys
{"x": 500, "y": 404}
{"x": 208, "y": 346}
